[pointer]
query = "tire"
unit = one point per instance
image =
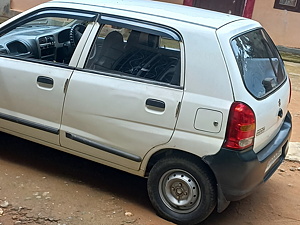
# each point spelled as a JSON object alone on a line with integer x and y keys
{"x": 181, "y": 190}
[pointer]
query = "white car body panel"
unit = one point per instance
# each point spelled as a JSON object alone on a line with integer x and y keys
{"x": 201, "y": 92}
{"x": 111, "y": 111}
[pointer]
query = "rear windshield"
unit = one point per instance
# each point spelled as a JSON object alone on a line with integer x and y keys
{"x": 259, "y": 62}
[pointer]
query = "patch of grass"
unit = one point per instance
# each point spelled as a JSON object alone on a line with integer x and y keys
{"x": 290, "y": 57}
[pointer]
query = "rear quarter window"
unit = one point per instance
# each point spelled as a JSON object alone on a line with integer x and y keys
{"x": 259, "y": 62}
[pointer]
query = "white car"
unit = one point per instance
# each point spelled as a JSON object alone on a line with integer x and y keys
{"x": 194, "y": 100}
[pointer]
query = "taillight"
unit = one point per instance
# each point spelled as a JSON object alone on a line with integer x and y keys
{"x": 241, "y": 127}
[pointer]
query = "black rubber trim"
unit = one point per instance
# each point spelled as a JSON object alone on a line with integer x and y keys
{"x": 29, "y": 123}
{"x": 63, "y": 12}
{"x": 139, "y": 25}
{"x": 104, "y": 148}
{"x": 51, "y": 11}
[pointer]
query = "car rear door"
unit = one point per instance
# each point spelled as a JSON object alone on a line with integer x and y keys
{"x": 114, "y": 113}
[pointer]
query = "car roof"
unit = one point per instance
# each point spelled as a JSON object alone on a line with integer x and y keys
{"x": 182, "y": 13}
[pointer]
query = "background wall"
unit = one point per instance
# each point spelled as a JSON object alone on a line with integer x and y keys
{"x": 282, "y": 25}
{"x": 21, "y": 5}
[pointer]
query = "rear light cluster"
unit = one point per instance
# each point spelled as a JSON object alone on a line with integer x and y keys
{"x": 241, "y": 127}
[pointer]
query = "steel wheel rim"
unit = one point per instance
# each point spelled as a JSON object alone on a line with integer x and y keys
{"x": 179, "y": 191}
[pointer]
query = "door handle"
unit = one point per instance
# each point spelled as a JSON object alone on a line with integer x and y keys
{"x": 155, "y": 104}
{"x": 45, "y": 82}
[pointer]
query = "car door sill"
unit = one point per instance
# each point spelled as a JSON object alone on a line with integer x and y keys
{"x": 103, "y": 148}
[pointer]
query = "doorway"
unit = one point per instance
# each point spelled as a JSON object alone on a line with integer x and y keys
{"x": 235, "y": 7}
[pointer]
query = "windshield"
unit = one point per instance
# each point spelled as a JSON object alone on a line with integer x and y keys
{"x": 259, "y": 62}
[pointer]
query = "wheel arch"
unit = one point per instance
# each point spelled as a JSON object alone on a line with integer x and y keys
{"x": 222, "y": 203}
{"x": 163, "y": 153}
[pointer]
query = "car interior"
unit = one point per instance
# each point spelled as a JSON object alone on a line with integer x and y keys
{"x": 39, "y": 39}
{"x": 140, "y": 56}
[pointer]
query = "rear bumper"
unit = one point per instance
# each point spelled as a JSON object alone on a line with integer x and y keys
{"x": 238, "y": 173}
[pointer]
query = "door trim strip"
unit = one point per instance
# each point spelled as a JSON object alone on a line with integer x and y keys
{"x": 29, "y": 123}
{"x": 104, "y": 148}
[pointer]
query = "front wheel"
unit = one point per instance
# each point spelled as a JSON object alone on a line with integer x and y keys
{"x": 181, "y": 190}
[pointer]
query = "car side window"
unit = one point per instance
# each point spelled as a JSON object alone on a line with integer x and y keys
{"x": 134, "y": 53}
{"x": 51, "y": 39}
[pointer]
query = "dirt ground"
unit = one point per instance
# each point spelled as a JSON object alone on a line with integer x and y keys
{"x": 39, "y": 185}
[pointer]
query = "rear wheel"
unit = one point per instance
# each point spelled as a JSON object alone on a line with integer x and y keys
{"x": 182, "y": 190}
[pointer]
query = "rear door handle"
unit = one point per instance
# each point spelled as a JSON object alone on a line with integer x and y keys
{"x": 45, "y": 82}
{"x": 155, "y": 104}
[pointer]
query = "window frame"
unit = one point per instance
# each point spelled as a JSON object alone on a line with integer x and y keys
{"x": 143, "y": 26}
{"x": 278, "y": 5}
{"x": 50, "y": 12}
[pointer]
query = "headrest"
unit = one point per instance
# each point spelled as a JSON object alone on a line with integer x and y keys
{"x": 137, "y": 37}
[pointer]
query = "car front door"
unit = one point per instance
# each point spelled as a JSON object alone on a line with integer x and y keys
{"x": 35, "y": 65}
{"x": 125, "y": 100}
